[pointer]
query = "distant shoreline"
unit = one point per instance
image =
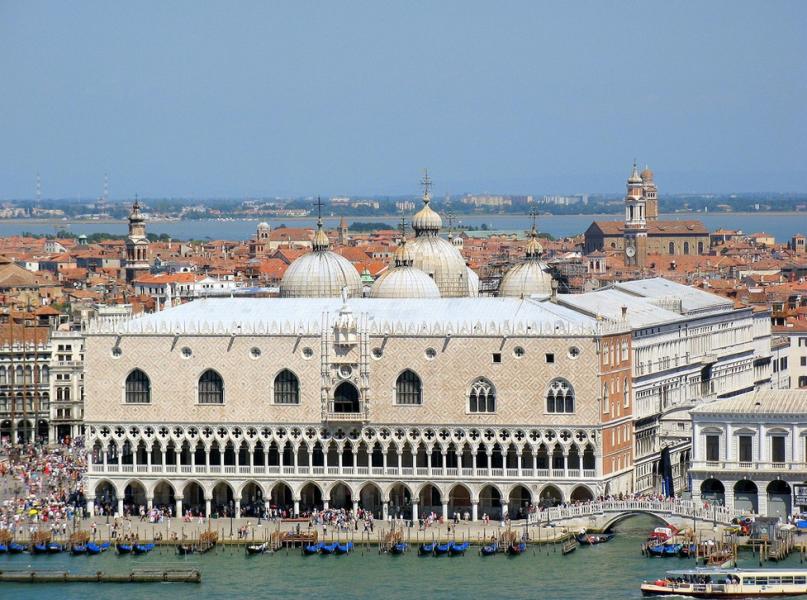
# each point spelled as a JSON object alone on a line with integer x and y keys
{"x": 370, "y": 218}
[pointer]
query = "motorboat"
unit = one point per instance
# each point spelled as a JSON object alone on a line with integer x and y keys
{"x": 729, "y": 583}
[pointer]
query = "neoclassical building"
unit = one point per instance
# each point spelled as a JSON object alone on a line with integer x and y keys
{"x": 399, "y": 406}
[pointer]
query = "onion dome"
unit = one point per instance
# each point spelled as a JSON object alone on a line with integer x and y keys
{"x": 263, "y": 225}
{"x": 473, "y": 283}
{"x": 634, "y": 176}
{"x": 321, "y": 273}
{"x": 530, "y": 277}
{"x": 404, "y": 280}
{"x": 647, "y": 175}
{"x": 426, "y": 221}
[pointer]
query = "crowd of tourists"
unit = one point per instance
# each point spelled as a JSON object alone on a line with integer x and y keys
{"x": 42, "y": 487}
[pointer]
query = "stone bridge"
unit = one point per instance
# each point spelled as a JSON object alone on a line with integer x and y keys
{"x": 601, "y": 516}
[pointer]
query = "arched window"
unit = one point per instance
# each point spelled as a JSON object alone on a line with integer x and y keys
{"x": 408, "y": 388}
{"x": 560, "y": 397}
{"x": 138, "y": 387}
{"x": 45, "y": 374}
{"x": 482, "y": 397}
{"x": 3, "y": 375}
{"x": 346, "y": 398}
{"x": 211, "y": 388}
{"x": 700, "y": 247}
{"x": 672, "y": 249}
{"x": 686, "y": 247}
{"x": 287, "y": 388}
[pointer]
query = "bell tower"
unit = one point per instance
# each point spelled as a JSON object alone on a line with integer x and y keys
{"x": 137, "y": 245}
{"x": 635, "y": 221}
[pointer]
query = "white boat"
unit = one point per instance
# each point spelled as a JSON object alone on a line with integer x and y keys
{"x": 729, "y": 583}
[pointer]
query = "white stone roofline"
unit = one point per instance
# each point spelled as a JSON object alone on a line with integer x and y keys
{"x": 559, "y": 328}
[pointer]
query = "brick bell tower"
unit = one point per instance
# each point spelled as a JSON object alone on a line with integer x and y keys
{"x": 635, "y": 221}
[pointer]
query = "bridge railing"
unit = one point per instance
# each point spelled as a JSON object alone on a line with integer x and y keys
{"x": 673, "y": 507}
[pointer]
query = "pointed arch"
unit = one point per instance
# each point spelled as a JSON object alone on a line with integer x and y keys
{"x": 137, "y": 387}
{"x": 210, "y": 388}
{"x": 482, "y": 396}
{"x": 408, "y": 388}
{"x": 286, "y": 388}
{"x": 560, "y": 396}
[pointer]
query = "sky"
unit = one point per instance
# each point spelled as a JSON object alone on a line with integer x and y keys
{"x": 240, "y": 99}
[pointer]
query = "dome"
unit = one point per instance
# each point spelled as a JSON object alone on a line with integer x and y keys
{"x": 426, "y": 220}
{"x": 473, "y": 283}
{"x": 440, "y": 260}
{"x": 647, "y": 175}
{"x": 263, "y": 225}
{"x": 404, "y": 282}
{"x": 321, "y": 273}
{"x": 634, "y": 176}
{"x": 525, "y": 279}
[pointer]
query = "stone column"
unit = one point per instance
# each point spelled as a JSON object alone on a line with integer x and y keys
{"x": 384, "y": 464}
{"x": 475, "y": 510}
{"x": 163, "y": 463}
{"x": 355, "y": 506}
{"x": 384, "y": 510}
{"x": 120, "y": 506}
{"x": 429, "y": 462}
{"x": 339, "y": 457}
{"x": 296, "y": 506}
{"x": 207, "y": 506}
{"x": 326, "y": 504}
{"x": 444, "y": 454}
{"x": 445, "y": 509}
{"x": 148, "y": 459}
{"x": 518, "y": 463}
{"x": 310, "y": 460}
{"x": 473, "y": 462}
{"x": 178, "y": 508}
{"x": 400, "y": 463}
{"x": 149, "y": 502}
{"x": 414, "y": 511}
{"x": 490, "y": 461}
{"x": 238, "y": 508}
{"x": 91, "y": 507}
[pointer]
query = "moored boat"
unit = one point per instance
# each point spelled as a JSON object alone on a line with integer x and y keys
{"x": 41, "y": 548}
{"x": 729, "y": 583}
{"x": 516, "y": 549}
{"x": 142, "y": 548}
{"x": 184, "y": 549}
{"x": 688, "y": 550}
{"x": 3, "y": 548}
{"x": 310, "y": 549}
{"x": 328, "y": 548}
{"x": 77, "y": 549}
{"x": 15, "y": 548}
{"x": 257, "y": 548}
{"x": 344, "y": 548}
{"x": 97, "y": 548}
{"x": 441, "y": 549}
{"x": 489, "y": 549}
{"x": 591, "y": 539}
{"x": 425, "y": 549}
{"x": 398, "y": 548}
{"x": 458, "y": 549}
{"x": 55, "y": 548}
{"x": 124, "y": 548}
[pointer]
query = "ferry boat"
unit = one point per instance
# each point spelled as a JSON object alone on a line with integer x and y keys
{"x": 729, "y": 583}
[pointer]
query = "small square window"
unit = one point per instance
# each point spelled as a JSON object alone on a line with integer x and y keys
{"x": 497, "y": 357}
{"x": 550, "y": 357}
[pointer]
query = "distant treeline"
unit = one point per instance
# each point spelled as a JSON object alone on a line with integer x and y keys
{"x": 92, "y": 238}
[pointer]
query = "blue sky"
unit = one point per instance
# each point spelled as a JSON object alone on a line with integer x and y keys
{"x": 261, "y": 98}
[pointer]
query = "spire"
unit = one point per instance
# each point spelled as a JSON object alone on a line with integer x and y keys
{"x": 320, "y": 243}
{"x": 403, "y": 258}
{"x": 634, "y": 176}
{"x": 426, "y": 182}
{"x": 426, "y": 221}
{"x": 534, "y": 248}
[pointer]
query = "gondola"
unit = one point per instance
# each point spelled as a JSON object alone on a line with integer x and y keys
{"x": 41, "y": 548}
{"x": 328, "y": 548}
{"x": 591, "y": 539}
{"x": 124, "y": 548}
{"x": 312, "y": 549}
{"x": 344, "y": 548}
{"x": 253, "y": 549}
{"x": 77, "y": 549}
{"x": 15, "y": 548}
{"x": 185, "y": 549}
{"x": 441, "y": 549}
{"x": 97, "y": 548}
{"x": 671, "y": 550}
{"x": 398, "y": 548}
{"x": 55, "y": 548}
{"x": 143, "y": 548}
{"x": 657, "y": 550}
{"x": 3, "y": 548}
{"x": 489, "y": 549}
{"x": 425, "y": 549}
{"x": 458, "y": 549}
{"x": 516, "y": 549}
{"x": 687, "y": 550}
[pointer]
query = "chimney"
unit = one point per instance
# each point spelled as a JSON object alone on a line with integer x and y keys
{"x": 624, "y": 311}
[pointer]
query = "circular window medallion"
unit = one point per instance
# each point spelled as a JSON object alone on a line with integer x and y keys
{"x": 186, "y": 352}
{"x": 431, "y": 353}
{"x": 307, "y": 352}
{"x": 345, "y": 371}
{"x": 254, "y": 352}
{"x": 518, "y": 352}
{"x": 377, "y": 353}
{"x": 574, "y": 352}
{"x": 116, "y": 352}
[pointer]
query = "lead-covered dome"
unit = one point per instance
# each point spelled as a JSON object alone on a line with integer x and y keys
{"x": 530, "y": 277}
{"x": 404, "y": 280}
{"x": 321, "y": 273}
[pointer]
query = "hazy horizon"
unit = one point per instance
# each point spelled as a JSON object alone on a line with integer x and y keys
{"x": 254, "y": 99}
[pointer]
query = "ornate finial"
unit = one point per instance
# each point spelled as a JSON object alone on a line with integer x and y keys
{"x": 426, "y": 182}
{"x": 403, "y": 227}
{"x": 320, "y": 241}
{"x": 534, "y": 248}
{"x": 319, "y": 205}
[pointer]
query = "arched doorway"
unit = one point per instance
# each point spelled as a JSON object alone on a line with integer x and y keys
{"x": 223, "y": 500}
{"x": 713, "y": 491}
{"x": 24, "y": 431}
{"x": 281, "y": 498}
{"x": 746, "y": 496}
{"x": 193, "y": 498}
{"x": 134, "y": 496}
{"x": 106, "y": 498}
{"x": 310, "y": 497}
{"x": 346, "y": 398}
{"x": 581, "y": 494}
{"x": 42, "y": 431}
{"x": 400, "y": 501}
{"x": 550, "y": 496}
{"x": 164, "y": 496}
{"x": 490, "y": 502}
{"x": 370, "y": 499}
{"x": 431, "y": 501}
{"x": 518, "y": 504}
{"x": 341, "y": 497}
{"x": 779, "y": 499}
{"x": 252, "y": 502}
{"x": 459, "y": 501}
{"x": 5, "y": 431}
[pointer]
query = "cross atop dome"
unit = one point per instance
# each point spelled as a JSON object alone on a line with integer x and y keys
{"x": 426, "y": 182}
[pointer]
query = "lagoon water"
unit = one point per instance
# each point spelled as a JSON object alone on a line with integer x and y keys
{"x": 609, "y": 571}
{"x": 781, "y": 225}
